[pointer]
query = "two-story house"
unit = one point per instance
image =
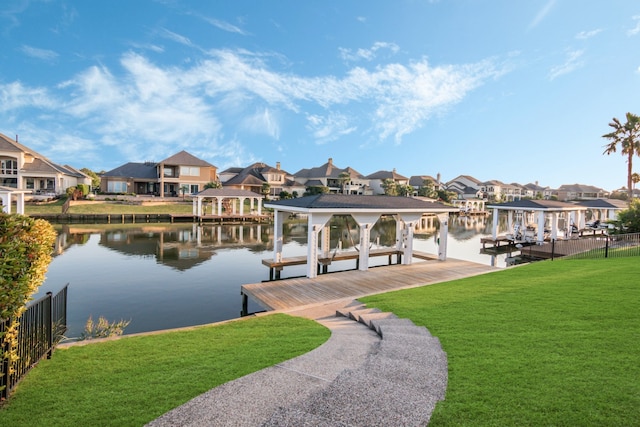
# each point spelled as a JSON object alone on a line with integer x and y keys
{"x": 338, "y": 180}
{"x": 180, "y": 173}
{"x": 25, "y": 169}
{"x": 258, "y": 176}
{"x": 377, "y": 179}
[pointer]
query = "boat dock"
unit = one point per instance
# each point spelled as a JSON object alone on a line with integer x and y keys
{"x": 302, "y": 291}
{"x": 275, "y": 267}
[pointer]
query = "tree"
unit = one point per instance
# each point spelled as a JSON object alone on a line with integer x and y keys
{"x": 390, "y": 187}
{"x": 343, "y": 178}
{"x": 184, "y": 190}
{"x": 635, "y": 178}
{"x": 428, "y": 189}
{"x": 95, "y": 179}
{"x": 628, "y": 220}
{"x": 212, "y": 184}
{"x": 627, "y": 136}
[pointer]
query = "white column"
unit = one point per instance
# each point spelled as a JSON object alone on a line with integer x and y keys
{"x": 242, "y": 205}
{"x": 6, "y": 203}
{"x": 278, "y": 220}
{"x": 365, "y": 223}
{"x": 444, "y": 235}
{"x": 325, "y": 241}
{"x": 541, "y": 216}
{"x": 259, "y": 206}
{"x": 494, "y": 229}
{"x": 410, "y": 221}
{"x": 219, "y": 205}
{"x": 315, "y": 223}
{"x": 554, "y": 225}
{"x": 251, "y": 201}
{"x": 510, "y": 222}
{"x": 20, "y": 204}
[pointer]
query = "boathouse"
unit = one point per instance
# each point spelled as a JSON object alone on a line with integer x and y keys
{"x": 228, "y": 198}
{"x": 365, "y": 210}
{"x": 528, "y": 218}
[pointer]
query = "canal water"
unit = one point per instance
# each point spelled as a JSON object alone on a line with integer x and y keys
{"x": 160, "y": 276}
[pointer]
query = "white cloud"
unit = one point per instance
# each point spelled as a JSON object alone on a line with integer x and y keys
{"x": 635, "y": 30}
{"x": 571, "y": 63}
{"x": 14, "y": 96}
{"x": 145, "y": 110}
{"x": 330, "y": 127}
{"x": 34, "y": 52}
{"x": 176, "y": 37}
{"x": 542, "y": 13}
{"x": 367, "y": 54}
{"x": 583, "y": 35}
{"x": 225, "y": 26}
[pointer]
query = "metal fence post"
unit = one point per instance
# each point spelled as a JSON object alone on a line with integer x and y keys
{"x": 49, "y": 321}
{"x": 606, "y": 247}
{"x": 553, "y": 248}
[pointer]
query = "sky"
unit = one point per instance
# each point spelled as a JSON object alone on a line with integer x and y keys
{"x": 516, "y": 91}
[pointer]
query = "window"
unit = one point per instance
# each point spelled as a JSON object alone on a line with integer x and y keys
{"x": 116, "y": 187}
{"x": 168, "y": 172}
{"x": 194, "y": 188}
{"x": 189, "y": 171}
{"x": 8, "y": 167}
{"x": 30, "y": 184}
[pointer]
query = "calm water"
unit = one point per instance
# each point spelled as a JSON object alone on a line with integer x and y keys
{"x": 167, "y": 275}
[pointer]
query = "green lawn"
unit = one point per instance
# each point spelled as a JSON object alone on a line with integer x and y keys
{"x": 111, "y": 208}
{"x": 553, "y": 343}
{"x": 131, "y": 381}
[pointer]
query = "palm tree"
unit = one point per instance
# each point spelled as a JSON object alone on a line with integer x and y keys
{"x": 343, "y": 177}
{"x": 626, "y": 135}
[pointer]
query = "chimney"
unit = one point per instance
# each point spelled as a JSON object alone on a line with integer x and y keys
{"x": 438, "y": 178}
{"x": 278, "y": 165}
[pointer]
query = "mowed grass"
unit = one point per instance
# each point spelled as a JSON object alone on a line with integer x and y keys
{"x": 109, "y": 208}
{"x": 133, "y": 380}
{"x": 554, "y": 343}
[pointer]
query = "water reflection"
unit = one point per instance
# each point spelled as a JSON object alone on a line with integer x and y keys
{"x": 171, "y": 275}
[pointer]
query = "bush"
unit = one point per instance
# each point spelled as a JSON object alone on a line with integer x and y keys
{"x": 26, "y": 246}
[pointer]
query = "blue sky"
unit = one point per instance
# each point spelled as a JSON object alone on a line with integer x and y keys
{"x": 519, "y": 91}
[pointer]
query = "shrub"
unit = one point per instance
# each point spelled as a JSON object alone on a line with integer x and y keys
{"x": 25, "y": 250}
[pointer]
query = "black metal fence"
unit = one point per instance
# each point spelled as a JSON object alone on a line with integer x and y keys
{"x": 40, "y": 328}
{"x": 600, "y": 246}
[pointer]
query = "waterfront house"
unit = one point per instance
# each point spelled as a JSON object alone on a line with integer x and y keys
{"x": 24, "y": 169}
{"x": 328, "y": 175}
{"x": 182, "y": 173}
{"x": 258, "y": 176}
{"x": 377, "y": 179}
{"x": 418, "y": 181}
{"x": 580, "y": 192}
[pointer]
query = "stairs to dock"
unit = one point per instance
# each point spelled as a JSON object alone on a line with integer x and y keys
{"x": 399, "y": 382}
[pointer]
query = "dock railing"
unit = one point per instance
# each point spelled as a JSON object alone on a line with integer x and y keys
{"x": 40, "y": 328}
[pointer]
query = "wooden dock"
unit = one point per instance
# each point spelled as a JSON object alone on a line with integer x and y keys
{"x": 302, "y": 291}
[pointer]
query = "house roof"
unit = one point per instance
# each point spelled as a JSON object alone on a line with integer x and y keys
{"x": 227, "y": 192}
{"x": 604, "y": 204}
{"x": 253, "y": 174}
{"x": 40, "y": 163}
{"x": 382, "y": 174}
{"x": 328, "y": 170}
{"x": 418, "y": 180}
{"x": 337, "y": 203}
{"x": 134, "y": 170}
{"x": 185, "y": 159}
{"x": 580, "y": 188}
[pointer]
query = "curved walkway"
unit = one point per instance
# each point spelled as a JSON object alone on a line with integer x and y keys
{"x": 375, "y": 369}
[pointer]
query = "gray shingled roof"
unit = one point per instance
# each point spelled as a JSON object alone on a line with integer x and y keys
{"x": 346, "y": 202}
{"x": 535, "y": 205}
{"x": 134, "y": 170}
{"x": 227, "y": 192}
{"x": 382, "y": 174}
{"x": 185, "y": 159}
{"x": 604, "y": 204}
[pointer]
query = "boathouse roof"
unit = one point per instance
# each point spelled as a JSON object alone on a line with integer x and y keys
{"x": 347, "y": 202}
{"x": 540, "y": 205}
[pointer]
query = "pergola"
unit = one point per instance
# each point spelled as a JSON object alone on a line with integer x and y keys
{"x": 604, "y": 209}
{"x": 538, "y": 211}
{"x": 6, "y": 195}
{"x": 220, "y": 194}
{"x": 365, "y": 210}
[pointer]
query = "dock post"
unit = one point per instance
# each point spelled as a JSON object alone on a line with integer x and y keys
{"x": 245, "y": 304}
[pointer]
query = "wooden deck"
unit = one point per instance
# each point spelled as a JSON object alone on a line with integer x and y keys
{"x": 297, "y": 292}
